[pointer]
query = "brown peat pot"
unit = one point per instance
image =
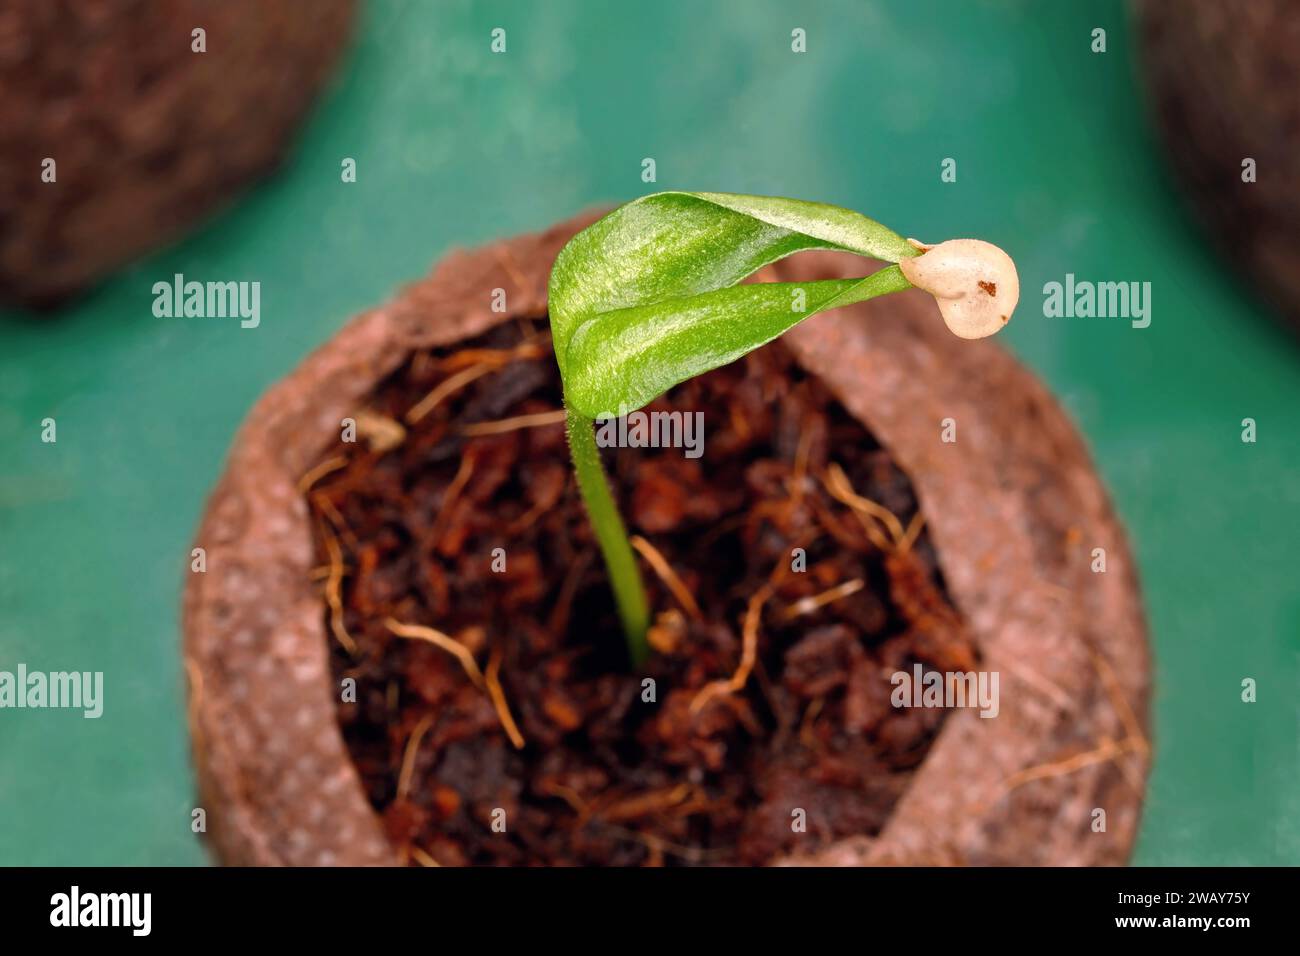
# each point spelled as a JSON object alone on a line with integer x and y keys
{"x": 1013, "y": 512}
{"x": 1224, "y": 80}
{"x": 147, "y": 135}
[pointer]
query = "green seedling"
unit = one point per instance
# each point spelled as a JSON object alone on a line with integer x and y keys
{"x": 651, "y": 295}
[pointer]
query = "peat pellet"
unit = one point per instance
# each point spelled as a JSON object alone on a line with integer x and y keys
{"x": 998, "y": 581}
{"x": 127, "y": 123}
{"x": 1224, "y": 90}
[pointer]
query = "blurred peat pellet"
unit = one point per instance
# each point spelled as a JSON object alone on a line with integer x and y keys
{"x": 128, "y": 121}
{"x": 1224, "y": 77}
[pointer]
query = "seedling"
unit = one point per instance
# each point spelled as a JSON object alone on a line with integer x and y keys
{"x": 650, "y": 296}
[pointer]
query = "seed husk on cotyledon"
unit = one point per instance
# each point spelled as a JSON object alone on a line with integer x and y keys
{"x": 974, "y": 283}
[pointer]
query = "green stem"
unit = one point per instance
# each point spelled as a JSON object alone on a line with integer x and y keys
{"x": 624, "y": 575}
{"x": 611, "y": 534}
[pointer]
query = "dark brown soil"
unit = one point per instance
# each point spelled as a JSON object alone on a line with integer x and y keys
{"x": 605, "y": 776}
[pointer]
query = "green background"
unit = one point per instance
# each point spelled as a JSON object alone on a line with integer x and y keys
{"x": 457, "y": 146}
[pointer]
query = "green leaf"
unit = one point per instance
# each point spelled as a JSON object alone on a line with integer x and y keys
{"x": 622, "y": 360}
{"x": 648, "y": 297}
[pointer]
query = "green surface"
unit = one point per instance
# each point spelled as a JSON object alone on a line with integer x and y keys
{"x": 457, "y": 146}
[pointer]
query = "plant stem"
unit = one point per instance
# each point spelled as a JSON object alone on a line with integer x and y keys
{"x": 611, "y": 534}
{"x": 624, "y": 575}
